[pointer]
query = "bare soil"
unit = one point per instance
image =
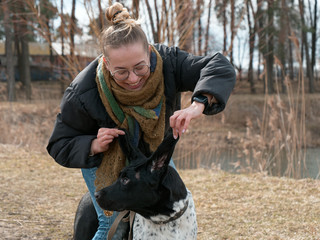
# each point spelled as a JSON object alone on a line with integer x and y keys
{"x": 39, "y": 199}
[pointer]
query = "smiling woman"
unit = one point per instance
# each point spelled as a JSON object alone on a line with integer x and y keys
{"x": 129, "y": 66}
{"x": 135, "y": 86}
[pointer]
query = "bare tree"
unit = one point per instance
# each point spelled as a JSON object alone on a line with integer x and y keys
{"x": 283, "y": 35}
{"x": 22, "y": 32}
{"x": 72, "y": 29}
{"x": 270, "y": 46}
{"x": 207, "y": 29}
{"x": 47, "y": 13}
{"x": 305, "y": 44}
{"x": 221, "y": 8}
{"x": 153, "y": 26}
{"x": 9, "y": 51}
{"x": 252, "y": 25}
{"x": 185, "y": 22}
{"x": 314, "y": 21}
{"x": 199, "y": 9}
{"x": 135, "y": 8}
{"x": 101, "y": 15}
{"x": 232, "y": 29}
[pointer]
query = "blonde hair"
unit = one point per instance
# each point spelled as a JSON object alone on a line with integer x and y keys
{"x": 123, "y": 30}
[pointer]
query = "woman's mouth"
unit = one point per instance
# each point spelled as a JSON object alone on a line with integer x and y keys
{"x": 135, "y": 85}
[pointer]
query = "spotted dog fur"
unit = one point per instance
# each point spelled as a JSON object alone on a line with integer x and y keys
{"x": 183, "y": 228}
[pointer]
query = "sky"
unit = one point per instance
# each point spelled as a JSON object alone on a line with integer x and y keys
{"x": 241, "y": 48}
{"x": 83, "y": 20}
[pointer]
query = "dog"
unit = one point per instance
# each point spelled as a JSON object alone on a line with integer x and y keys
{"x": 152, "y": 189}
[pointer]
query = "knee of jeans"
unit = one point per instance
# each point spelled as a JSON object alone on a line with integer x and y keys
{"x": 105, "y": 222}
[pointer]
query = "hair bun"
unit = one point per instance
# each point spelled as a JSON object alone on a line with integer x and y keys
{"x": 117, "y": 13}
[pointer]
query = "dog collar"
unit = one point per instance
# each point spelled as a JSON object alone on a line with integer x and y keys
{"x": 174, "y": 217}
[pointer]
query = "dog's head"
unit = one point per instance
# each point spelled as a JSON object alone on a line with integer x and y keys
{"x": 148, "y": 185}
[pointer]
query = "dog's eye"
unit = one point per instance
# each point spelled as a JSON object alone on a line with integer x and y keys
{"x": 125, "y": 180}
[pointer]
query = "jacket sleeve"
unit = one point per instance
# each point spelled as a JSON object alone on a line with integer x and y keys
{"x": 72, "y": 135}
{"x": 213, "y": 75}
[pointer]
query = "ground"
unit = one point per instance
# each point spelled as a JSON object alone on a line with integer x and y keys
{"x": 39, "y": 199}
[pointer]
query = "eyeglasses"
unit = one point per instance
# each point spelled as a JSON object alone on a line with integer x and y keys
{"x": 123, "y": 74}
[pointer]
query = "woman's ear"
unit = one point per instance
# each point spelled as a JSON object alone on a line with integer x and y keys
{"x": 149, "y": 49}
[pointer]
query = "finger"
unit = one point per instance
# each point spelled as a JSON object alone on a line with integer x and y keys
{"x": 120, "y": 132}
{"x": 106, "y": 142}
{"x": 186, "y": 124}
{"x": 181, "y": 130}
{"x": 179, "y": 123}
{"x": 173, "y": 120}
{"x": 173, "y": 126}
{"x": 107, "y": 137}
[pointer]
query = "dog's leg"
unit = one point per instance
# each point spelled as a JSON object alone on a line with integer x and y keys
{"x": 86, "y": 220}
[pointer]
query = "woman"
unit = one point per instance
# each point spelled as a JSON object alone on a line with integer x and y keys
{"x": 135, "y": 86}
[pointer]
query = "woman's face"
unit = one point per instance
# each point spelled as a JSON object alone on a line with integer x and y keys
{"x": 131, "y": 57}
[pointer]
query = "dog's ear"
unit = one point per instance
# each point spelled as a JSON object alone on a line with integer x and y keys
{"x": 161, "y": 157}
{"x": 127, "y": 147}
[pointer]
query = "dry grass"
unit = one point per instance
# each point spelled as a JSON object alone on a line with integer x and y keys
{"x": 39, "y": 199}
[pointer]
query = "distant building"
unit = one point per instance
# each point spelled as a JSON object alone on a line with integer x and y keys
{"x": 41, "y": 67}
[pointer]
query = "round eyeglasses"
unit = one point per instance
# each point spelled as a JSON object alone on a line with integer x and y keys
{"x": 123, "y": 74}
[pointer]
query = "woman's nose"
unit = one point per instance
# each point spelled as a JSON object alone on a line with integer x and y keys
{"x": 132, "y": 77}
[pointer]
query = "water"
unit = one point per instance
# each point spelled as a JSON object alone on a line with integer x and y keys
{"x": 229, "y": 160}
{"x": 313, "y": 162}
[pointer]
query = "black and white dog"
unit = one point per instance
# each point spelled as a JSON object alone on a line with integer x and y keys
{"x": 151, "y": 188}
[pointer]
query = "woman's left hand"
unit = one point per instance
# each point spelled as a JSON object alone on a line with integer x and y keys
{"x": 180, "y": 119}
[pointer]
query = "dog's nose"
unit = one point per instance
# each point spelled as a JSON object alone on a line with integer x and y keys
{"x": 97, "y": 195}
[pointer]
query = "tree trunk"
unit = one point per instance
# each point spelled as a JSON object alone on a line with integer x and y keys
{"x": 62, "y": 80}
{"x": 200, "y": 38}
{"x": 290, "y": 60}
{"x": 207, "y": 30}
{"x": 260, "y": 18}
{"x": 314, "y": 35}
{"x": 22, "y": 47}
{"x": 252, "y": 34}
{"x": 184, "y": 13}
{"x": 283, "y": 35}
{"x": 72, "y": 30}
{"x": 165, "y": 16}
{"x": 101, "y": 15}
{"x": 224, "y": 27}
{"x": 135, "y": 8}
{"x": 9, "y": 52}
{"x": 153, "y": 28}
{"x": 232, "y": 30}
{"x": 157, "y": 19}
{"x": 270, "y": 44}
{"x": 25, "y": 75}
{"x": 50, "y": 42}
{"x": 306, "y": 48}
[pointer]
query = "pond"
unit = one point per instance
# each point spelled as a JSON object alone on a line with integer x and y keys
{"x": 230, "y": 160}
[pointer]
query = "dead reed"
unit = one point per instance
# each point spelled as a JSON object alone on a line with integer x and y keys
{"x": 274, "y": 141}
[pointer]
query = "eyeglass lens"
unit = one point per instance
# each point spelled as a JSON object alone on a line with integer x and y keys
{"x": 140, "y": 70}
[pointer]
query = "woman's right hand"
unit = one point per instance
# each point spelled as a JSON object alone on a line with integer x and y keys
{"x": 104, "y": 137}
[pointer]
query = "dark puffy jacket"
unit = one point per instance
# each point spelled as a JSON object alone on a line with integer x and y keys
{"x": 82, "y": 112}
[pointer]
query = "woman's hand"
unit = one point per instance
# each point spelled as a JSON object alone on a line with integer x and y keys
{"x": 180, "y": 120}
{"x": 104, "y": 137}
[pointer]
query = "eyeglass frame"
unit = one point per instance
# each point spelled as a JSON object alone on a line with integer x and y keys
{"x": 113, "y": 73}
